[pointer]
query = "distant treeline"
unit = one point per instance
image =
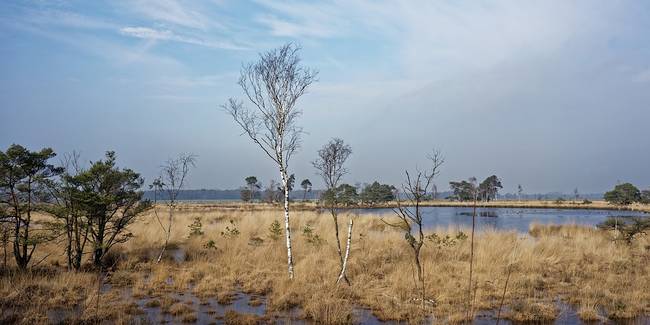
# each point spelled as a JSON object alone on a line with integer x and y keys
{"x": 206, "y": 195}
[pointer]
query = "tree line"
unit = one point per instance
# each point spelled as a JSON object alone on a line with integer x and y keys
{"x": 91, "y": 207}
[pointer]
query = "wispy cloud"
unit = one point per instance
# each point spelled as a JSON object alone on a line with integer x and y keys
{"x": 168, "y": 35}
{"x": 173, "y": 12}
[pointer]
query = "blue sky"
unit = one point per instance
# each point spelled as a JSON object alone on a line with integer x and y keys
{"x": 552, "y": 95}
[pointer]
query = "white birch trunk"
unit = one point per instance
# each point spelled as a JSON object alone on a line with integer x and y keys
{"x": 287, "y": 229}
{"x": 167, "y": 235}
{"x": 347, "y": 252}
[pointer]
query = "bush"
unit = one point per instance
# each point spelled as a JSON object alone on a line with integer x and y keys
{"x": 627, "y": 228}
{"x": 211, "y": 244}
{"x": 275, "y": 230}
{"x": 623, "y": 194}
{"x": 196, "y": 227}
{"x": 312, "y": 237}
{"x": 446, "y": 241}
{"x": 231, "y": 231}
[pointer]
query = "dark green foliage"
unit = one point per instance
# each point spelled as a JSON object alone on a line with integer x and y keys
{"x": 250, "y": 192}
{"x": 446, "y": 241}
{"x": 377, "y": 193}
{"x": 275, "y": 230}
{"x": 559, "y": 201}
{"x": 211, "y": 244}
{"x": 231, "y": 231}
{"x": 196, "y": 227}
{"x": 111, "y": 200}
{"x": 312, "y": 237}
{"x": 463, "y": 190}
{"x": 342, "y": 196}
{"x": 627, "y": 228}
{"x": 306, "y": 186}
{"x": 24, "y": 179}
{"x": 623, "y": 194}
{"x": 645, "y": 197}
{"x": 585, "y": 201}
{"x": 489, "y": 188}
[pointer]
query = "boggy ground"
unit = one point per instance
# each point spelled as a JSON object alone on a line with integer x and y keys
{"x": 578, "y": 266}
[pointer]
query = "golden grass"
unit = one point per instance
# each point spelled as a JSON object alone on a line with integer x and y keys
{"x": 578, "y": 265}
{"x": 314, "y": 205}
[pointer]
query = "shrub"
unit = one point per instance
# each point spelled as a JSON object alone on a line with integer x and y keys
{"x": 230, "y": 231}
{"x": 627, "y": 228}
{"x": 623, "y": 194}
{"x": 275, "y": 230}
{"x": 311, "y": 236}
{"x": 196, "y": 228}
{"x": 585, "y": 201}
{"x": 211, "y": 244}
{"x": 446, "y": 241}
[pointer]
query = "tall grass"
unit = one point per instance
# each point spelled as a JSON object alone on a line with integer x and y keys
{"x": 581, "y": 266}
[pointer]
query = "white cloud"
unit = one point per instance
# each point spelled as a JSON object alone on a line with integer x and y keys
{"x": 168, "y": 35}
{"x": 174, "y": 12}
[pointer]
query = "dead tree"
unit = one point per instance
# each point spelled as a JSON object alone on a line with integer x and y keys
{"x": 273, "y": 86}
{"x": 330, "y": 166}
{"x": 409, "y": 209}
{"x": 170, "y": 182}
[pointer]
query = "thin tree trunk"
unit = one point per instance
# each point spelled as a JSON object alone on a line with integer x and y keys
{"x": 167, "y": 235}
{"x": 347, "y": 255}
{"x": 503, "y": 295}
{"x": 471, "y": 263}
{"x": 5, "y": 241}
{"x": 336, "y": 232}
{"x": 287, "y": 229}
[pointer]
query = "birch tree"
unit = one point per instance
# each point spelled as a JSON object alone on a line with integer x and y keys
{"x": 273, "y": 86}
{"x": 170, "y": 182}
{"x": 409, "y": 209}
{"x": 330, "y": 165}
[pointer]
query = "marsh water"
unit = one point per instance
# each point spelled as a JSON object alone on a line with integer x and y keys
{"x": 507, "y": 218}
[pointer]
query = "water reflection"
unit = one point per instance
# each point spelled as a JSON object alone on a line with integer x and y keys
{"x": 508, "y": 218}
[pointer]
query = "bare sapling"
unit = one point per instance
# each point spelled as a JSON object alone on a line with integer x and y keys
{"x": 273, "y": 86}
{"x": 171, "y": 181}
{"x": 409, "y": 210}
{"x": 330, "y": 165}
{"x": 511, "y": 266}
{"x": 475, "y": 193}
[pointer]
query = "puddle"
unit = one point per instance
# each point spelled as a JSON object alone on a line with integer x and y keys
{"x": 177, "y": 254}
{"x": 567, "y": 315}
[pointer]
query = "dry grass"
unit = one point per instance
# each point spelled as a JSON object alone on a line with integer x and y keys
{"x": 580, "y": 266}
{"x": 313, "y": 205}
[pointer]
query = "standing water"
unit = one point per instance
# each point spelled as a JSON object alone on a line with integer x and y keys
{"x": 507, "y": 218}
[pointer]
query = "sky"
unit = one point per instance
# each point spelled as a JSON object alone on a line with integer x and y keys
{"x": 552, "y": 95}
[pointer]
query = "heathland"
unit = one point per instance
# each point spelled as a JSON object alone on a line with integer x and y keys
{"x": 219, "y": 253}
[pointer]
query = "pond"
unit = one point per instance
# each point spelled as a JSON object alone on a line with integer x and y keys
{"x": 518, "y": 219}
